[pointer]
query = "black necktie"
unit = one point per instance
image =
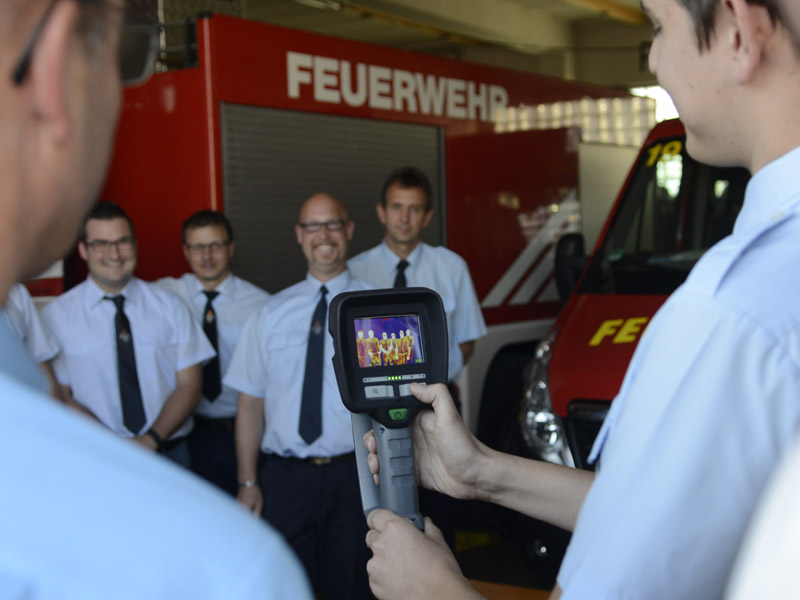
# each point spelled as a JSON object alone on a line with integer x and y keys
{"x": 311, "y": 408}
{"x": 132, "y": 407}
{"x": 400, "y": 280}
{"x": 212, "y": 385}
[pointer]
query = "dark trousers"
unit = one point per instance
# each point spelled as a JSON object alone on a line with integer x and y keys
{"x": 213, "y": 451}
{"x": 318, "y": 510}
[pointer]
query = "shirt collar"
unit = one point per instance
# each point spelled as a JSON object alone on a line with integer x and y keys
{"x": 392, "y": 259}
{"x": 771, "y": 193}
{"x": 225, "y": 288}
{"x": 335, "y": 286}
{"x": 93, "y": 295}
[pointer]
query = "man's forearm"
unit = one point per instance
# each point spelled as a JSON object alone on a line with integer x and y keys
{"x": 69, "y": 400}
{"x": 541, "y": 490}
{"x": 181, "y": 402}
{"x": 249, "y": 431}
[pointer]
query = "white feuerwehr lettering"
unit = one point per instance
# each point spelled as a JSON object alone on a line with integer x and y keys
{"x": 335, "y": 81}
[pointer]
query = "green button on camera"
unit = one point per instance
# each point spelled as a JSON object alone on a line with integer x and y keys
{"x": 398, "y": 414}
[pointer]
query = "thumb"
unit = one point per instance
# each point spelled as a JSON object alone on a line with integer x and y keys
{"x": 436, "y": 394}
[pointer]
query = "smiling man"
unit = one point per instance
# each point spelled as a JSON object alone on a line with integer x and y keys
{"x": 130, "y": 351}
{"x": 221, "y": 302}
{"x": 710, "y": 399}
{"x": 294, "y": 438}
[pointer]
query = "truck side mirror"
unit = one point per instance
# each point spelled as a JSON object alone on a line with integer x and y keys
{"x": 570, "y": 262}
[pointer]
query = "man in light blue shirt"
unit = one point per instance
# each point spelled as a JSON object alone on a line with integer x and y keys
{"x": 168, "y": 345}
{"x": 403, "y": 259}
{"x": 305, "y": 484}
{"x": 405, "y": 210}
{"x": 710, "y": 399}
{"x": 223, "y": 302}
{"x": 85, "y": 515}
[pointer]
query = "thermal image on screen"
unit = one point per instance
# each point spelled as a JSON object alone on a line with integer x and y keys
{"x": 391, "y": 340}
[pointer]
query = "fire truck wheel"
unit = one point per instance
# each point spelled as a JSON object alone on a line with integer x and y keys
{"x": 502, "y": 392}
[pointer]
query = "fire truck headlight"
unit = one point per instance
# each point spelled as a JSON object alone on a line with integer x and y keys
{"x": 542, "y": 429}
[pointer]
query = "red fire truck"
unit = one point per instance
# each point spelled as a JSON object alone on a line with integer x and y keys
{"x": 260, "y": 117}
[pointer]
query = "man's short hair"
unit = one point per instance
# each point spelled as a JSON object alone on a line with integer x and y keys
{"x": 409, "y": 178}
{"x": 205, "y": 218}
{"x": 703, "y": 13}
{"x": 107, "y": 211}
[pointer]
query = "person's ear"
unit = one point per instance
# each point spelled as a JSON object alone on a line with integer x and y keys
{"x": 751, "y": 29}
{"x": 83, "y": 250}
{"x": 49, "y": 75}
{"x": 381, "y": 210}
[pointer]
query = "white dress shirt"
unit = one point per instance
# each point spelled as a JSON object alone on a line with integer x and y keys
{"x": 24, "y": 318}
{"x": 441, "y": 270}
{"x": 237, "y": 300}
{"x": 269, "y": 362}
{"x": 166, "y": 340}
{"x": 710, "y": 400}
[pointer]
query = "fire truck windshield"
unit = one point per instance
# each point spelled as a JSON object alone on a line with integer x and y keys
{"x": 674, "y": 210}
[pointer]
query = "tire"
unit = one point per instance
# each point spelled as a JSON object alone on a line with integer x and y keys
{"x": 502, "y": 392}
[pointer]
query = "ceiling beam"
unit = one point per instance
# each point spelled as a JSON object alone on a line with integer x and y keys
{"x": 506, "y": 23}
{"x": 614, "y": 10}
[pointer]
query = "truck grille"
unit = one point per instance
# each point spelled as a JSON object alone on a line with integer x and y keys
{"x": 583, "y": 422}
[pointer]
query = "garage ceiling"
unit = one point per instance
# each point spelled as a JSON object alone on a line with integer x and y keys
{"x": 531, "y": 26}
{"x": 598, "y": 41}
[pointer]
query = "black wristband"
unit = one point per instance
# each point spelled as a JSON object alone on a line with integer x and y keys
{"x": 157, "y": 439}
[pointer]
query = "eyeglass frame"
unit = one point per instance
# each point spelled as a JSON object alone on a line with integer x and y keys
{"x": 123, "y": 245}
{"x": 213, "y": 247}
{"x": 23, "y": 63}
{"x": 314, "y": 227}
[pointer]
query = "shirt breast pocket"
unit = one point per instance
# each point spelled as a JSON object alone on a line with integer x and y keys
{"x": 87, "y": 354}
{"x": 86, "y": 364}
{"x": 155, "y": 348}
{"x": 286, "y": 355}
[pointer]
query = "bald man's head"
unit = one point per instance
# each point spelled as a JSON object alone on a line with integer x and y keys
{"x": 324, "y": 232}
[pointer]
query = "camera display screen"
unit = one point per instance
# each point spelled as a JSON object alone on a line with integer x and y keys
{"x": 388, "y": 340}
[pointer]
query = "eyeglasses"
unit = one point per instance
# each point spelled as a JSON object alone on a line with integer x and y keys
{"x": 138, "y": 50}
{"x": 213, "y": 247}
{"x": 24, "y": 62}
{"x": 123, "y": 245}
{"x": 313, "y": 226}
{"x": 138, "y": 53}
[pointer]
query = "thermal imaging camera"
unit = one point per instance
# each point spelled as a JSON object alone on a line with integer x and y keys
{"x": 385, "y": 340}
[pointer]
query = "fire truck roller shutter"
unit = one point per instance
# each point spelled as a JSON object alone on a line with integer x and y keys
{"x": 274, "y": 159}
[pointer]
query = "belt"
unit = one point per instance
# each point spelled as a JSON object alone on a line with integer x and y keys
{"x": 317, "y": 461}
{"x": 225, "y": 424}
